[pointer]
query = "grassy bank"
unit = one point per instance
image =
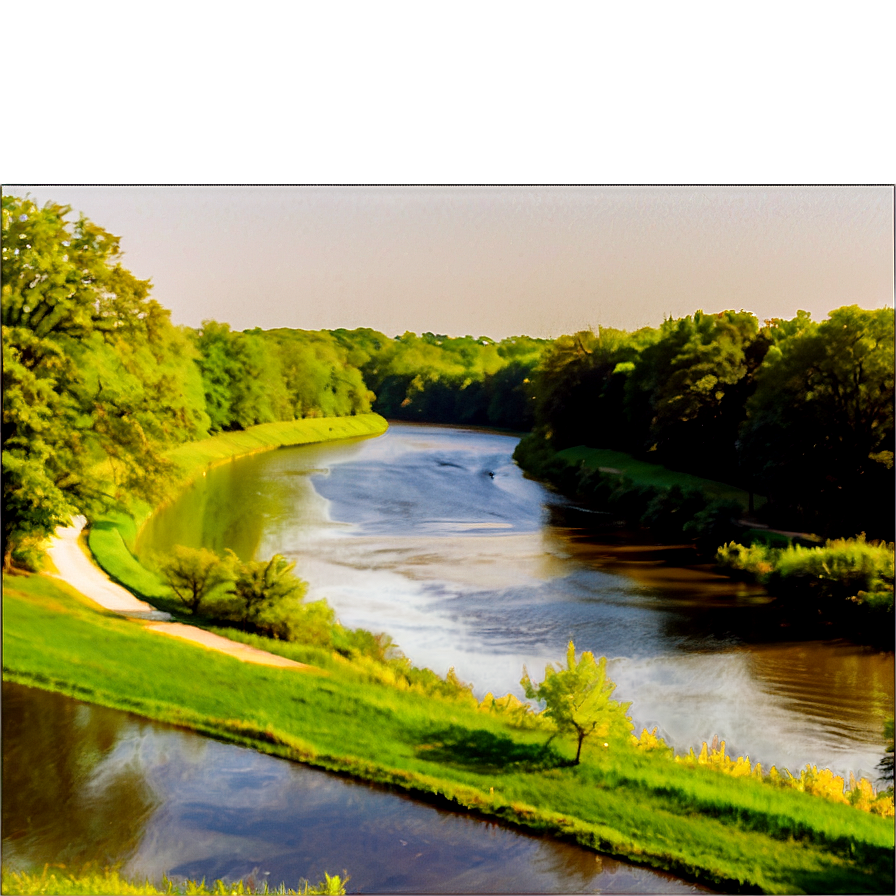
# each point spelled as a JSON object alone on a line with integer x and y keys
{"x": 111, "y": 538}
{"x": 735, "y": 834}
{"x": 646, "y": 474}
{"x": 61, "y": 883}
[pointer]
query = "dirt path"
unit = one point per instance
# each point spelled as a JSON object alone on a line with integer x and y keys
{"x": 77, "y": 570}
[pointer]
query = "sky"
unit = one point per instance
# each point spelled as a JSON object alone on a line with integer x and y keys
{"x": 495, "y": 261}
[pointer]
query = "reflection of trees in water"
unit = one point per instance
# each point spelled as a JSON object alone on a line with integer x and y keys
{"x": 53, "y": 748}
{"x": 842, "y": 683}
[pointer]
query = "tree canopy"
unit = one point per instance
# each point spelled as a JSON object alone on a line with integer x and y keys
{"x": 93, "y": 371}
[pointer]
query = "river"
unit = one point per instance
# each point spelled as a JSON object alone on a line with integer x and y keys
{"x": 433, "y": 535}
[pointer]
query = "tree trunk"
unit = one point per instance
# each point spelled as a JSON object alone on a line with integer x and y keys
{"x": 579, "y": 750}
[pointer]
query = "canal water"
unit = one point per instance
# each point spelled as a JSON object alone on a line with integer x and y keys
{"x": 85, "y": 787}
{"x": 433, "y": 535}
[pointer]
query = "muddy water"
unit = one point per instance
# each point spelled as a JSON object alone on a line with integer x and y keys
{"x": 432, "y": 535}
{"x": 88, "y": 786}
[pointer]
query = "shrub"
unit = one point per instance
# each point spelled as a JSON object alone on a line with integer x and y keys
{"x": 840, "y": 571}
{"x": 671, "y": 511}
{"x": 194, "y": 573}
{"x": 649, "y": 742}
{"x": 713, "y": 524}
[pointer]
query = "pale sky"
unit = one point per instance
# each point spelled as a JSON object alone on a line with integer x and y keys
{"x": 495, "y": 261}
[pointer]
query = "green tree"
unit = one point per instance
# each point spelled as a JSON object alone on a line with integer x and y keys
{"x": 260, "y": 584}
{"x": 819, "y": 430}
{"x": 87, "y": 373}
{"x": 578, "y": 698}
{"x": 193, "y": 573}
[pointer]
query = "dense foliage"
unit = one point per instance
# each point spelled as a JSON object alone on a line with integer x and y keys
{"x": 800, "y": 412}
{"x": 92, "y": 370}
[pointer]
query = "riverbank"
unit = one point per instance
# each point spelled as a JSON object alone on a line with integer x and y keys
{"x": 844, "y": 585}
{"x": 112, "y": 537}
{"x": 731, "y": 834}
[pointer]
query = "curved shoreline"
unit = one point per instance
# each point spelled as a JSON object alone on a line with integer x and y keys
{"x": 112, "y": 538}
{"x": 543, "y": 812}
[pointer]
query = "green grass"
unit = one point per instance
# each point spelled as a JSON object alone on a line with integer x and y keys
{"x": 734, "y": 834}
{"x": 60, "y": 883}
{"x": 643, "y": 473}
{"x": 112, "y": 537}
{"x": 194, "y": 457}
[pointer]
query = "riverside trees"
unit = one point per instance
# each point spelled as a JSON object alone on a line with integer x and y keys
{"x": 798, "y": 411}
{"x": 578, "y": 698}
{"x": 93, "y": 370}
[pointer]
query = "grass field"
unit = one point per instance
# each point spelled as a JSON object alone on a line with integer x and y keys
{"x": 643, "y": 473}
{"x": 733, "y": 834}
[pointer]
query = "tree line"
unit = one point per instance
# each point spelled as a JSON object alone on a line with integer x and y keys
{"x": 798, "y": 411}
{"x": 95, "y": 372}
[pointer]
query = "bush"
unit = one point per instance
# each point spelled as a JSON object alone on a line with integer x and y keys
{"x": 30, "y": 553}
{"x": 843, "y": 572}
{"x": 714, "y": 524}
{"x": 672, "y": 510}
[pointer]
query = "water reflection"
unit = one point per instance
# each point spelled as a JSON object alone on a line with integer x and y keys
{"x": 433, "y": 535}
{"x": 86, "y": 784}
{"x": 69, "y": 796}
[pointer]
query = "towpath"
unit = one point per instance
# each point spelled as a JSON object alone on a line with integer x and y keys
{"x": 75, "y": 568}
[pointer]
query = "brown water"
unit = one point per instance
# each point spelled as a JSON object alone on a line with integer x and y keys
{"x": 433, "y": 535}
{"x": 89, "y": 786}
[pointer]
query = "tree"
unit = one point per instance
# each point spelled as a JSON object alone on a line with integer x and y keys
{"x": 819, "y": 430}
{"x": 86, "y": 360}
{"x": 193, "y": 573}
{"x": 259, "y": 584}
{"x": 578, "y": 698}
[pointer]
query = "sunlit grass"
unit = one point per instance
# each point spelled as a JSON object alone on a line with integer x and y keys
{"x": 730, "y": 833}
{"x": 57, "y": 882}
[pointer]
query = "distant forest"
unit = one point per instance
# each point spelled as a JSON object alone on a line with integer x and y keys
{"x": 94, "y": 370}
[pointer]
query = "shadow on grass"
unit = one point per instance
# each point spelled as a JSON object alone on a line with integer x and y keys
{"x": 484, "y": 751}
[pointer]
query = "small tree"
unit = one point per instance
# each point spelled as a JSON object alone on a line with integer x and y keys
{"x": 193, "y": 573}
{"x": 259, "y": 583}
{"x": 577, "y": 698}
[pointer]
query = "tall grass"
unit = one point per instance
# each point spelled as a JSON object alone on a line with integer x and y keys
{"x": 731, "y": 833}
{"x": 102, "y": 883}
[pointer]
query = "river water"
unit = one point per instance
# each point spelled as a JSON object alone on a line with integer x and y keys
{"x": 433, "y": 535}
{"x": 85, "y": 786}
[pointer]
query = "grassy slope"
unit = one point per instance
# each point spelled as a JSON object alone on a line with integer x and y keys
{"x": 643, "y": 473}
{"x": 111, "y": 538}
{"x": 733, "y": 833}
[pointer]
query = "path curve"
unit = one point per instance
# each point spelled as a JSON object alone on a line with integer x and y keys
{"x": 75, "y": 568}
